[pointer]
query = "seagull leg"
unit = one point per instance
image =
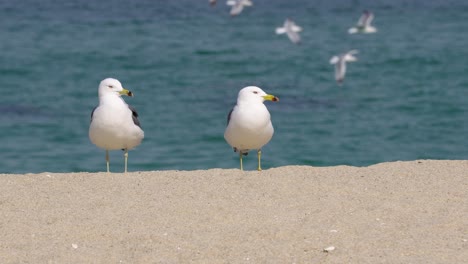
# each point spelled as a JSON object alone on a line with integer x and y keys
{"x": 259, "y": 154}
{"x": 240, "y": 157}
{"x": 107, "y": 160}
{"x": 126, "y": 158}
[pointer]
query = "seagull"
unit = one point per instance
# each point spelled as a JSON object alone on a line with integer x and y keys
{"x": 291, "y": 29}
{"x": 238, "y": 6}
{"x": 248, "y": 123}
{"x": 114, "y": 124}
{"x": 340, "y": 64}
{"x": 364, "y": 24}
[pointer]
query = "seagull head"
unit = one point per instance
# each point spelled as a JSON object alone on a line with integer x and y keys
{"x": 253, "y": 94}
{"x": 112, "y": 86}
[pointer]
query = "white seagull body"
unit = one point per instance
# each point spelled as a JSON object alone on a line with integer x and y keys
{"x": 364, "y": 24}
{"x": 340, "y": 64}
{"x": 238, "y": 6}
{"x": 114, "y": 124}
{"x": 291, "y": 29}
{"x": 249, "y": 124}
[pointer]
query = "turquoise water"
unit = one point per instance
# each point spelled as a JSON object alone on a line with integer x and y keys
{"x": 404, "y": 99}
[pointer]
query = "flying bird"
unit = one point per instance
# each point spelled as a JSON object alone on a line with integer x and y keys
{"x": 291, "y": 30}
{"x": 364, "y": 24}
{"x": 249, "y": 124}
{"x": 114, "y": 124}
{"x": 340, "y": 64}
{"x": 238, "y": 5}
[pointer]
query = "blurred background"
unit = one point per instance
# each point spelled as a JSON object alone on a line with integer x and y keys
{"x": 404, "y": 99}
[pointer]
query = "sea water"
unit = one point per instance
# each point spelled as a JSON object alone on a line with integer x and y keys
{"x": 404, "y": 99}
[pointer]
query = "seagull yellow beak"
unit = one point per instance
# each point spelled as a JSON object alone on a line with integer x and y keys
{"x": 270, "y": 97}
{"x": 126, "y": 92}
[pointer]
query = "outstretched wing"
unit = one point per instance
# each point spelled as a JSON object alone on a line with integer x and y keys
{"x": 294, "y": 37}
{"x": 349, "y": 55}
{"x": 296, "y": 28}
{"x": 365, "y": 19}
{"x": 352, "y": 30}
{"x": 236, "y": 9}
{"x": 247, "y": 3}
{"x": 369, "y": 18}
{"x": 280, "y": 30}
{"x": 334, "y": 59}
{"x": 340, "y": 71}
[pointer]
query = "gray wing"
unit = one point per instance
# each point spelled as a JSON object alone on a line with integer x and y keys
{"x": 229, "y": 116}
{"x": 340, "y": 70}
{"x": 368, "y": 19}
{"x": 365, "y": 19}
{"x": 134, "y": 116}
{"x": 237, "y": 9}
{"x": 294, "y": 37}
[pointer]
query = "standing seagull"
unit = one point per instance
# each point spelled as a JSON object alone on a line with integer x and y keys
{"x": 248, "y": 124}
{"x": 340, "y": 64}
{"x": 291, "y": 29}
{"x": 238, "y": 6}
{"x": 364, "y": 24}
{"x": 114, "y": 124}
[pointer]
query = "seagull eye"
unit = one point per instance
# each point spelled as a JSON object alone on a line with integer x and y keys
{"x": 255, "y": 92}
{"x": 110, "y": 86}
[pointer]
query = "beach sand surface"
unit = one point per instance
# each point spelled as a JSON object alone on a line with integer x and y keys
{"x": 396, "y": 212}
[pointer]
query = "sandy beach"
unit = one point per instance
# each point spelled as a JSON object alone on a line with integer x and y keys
{"x": 397, "y": 212}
